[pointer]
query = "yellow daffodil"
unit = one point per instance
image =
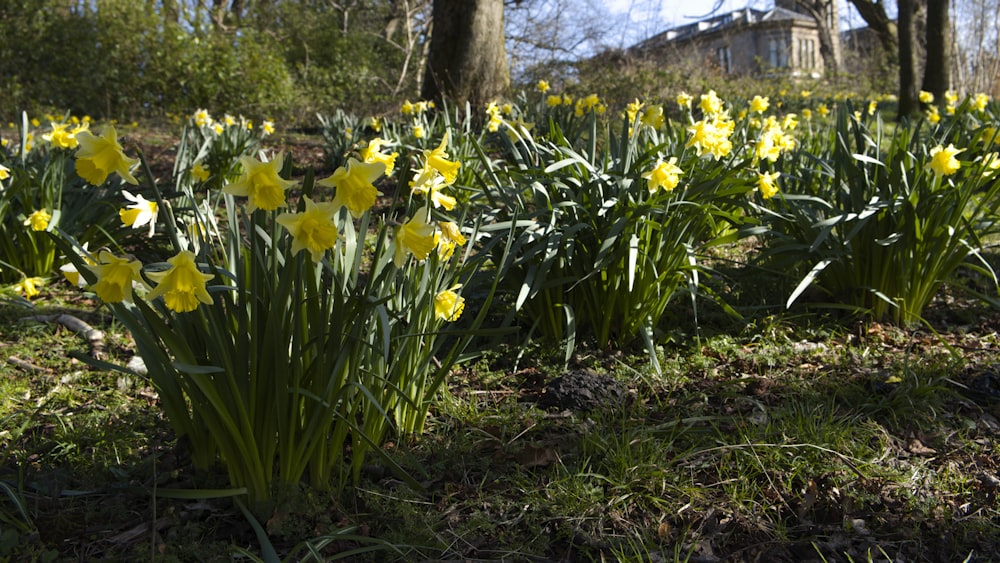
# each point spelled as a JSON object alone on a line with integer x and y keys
{"x": 495, "y": 118}
{"x": 38, "y": 220}
{"x": 261, "y": 184}
{"x": 429, "y": 183}
{"x": 684, "y": 100}
{"x": 97, "y": 157}
{"x": 991, "y": 164}
{"x": 652, "y": 116}
{"x": 312, "y": 229}
{"x": 355, "y": 185}
{"x": 553, "y": 100}
{"x": 711, "y": 137}
{"x": 943, "y": 161}
{"x": 710, "y": 103}
{"x": 805, "y": 93}
{"x": 29, "y": 287}
{"x": 61, "y": 137}
{"x": 589, "y": 103}
{"x": 371, "y": 153}
{"x": 932, "y": 115}
{"x": 766, "y": 184}
{"x": 267, "y": 128}
{"x": 199, "y": 172}
{"x": 182, "y": 285}
{"x": 416, "y": 236}
{"x": 807, "y": 114}
{"x": 542, "y": 86}
{"x": 406, "y": 108}
{"x": 925, "y": 97}
{"x": 759, "y": 104}
{"x": 665, "y": 175}
{"x": 449, "y": 237}
{"x": 980, "y": 101}
{"x": 115, "y": 277}
{"x": 448, "y": 305}
{"x": 418, "y": 130}
{"x": 141, "y": 212}
{"x": 438, "y": 160}
{"x": 822, "y": 110}
{"x": 202, "y": 118}
{"x": 4, "y": 172}
{"x": 70, "y": 272}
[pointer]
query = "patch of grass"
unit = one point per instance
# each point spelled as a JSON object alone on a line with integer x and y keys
{"x": 792, "y": 438}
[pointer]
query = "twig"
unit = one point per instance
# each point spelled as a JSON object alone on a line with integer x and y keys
{"x": 26, "y": 365}
{"x": 94, "y": 337}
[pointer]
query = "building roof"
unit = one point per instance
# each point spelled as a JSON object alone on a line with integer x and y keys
{"x": 737, "y": 18}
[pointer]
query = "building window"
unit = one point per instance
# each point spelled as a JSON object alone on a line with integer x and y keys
{"x": 777, "y": 54}
{"x": 807, "y": 53}
{"x": 725, "y": 58}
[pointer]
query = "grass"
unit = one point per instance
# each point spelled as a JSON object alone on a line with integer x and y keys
{"x": 787, "y": 436}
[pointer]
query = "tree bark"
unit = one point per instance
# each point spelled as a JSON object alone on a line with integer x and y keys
{"x": 467, "y": 61}
{"x": 873, "y": 12}
{"x": 908, "y": 100}
{"x": 937, "y": 70}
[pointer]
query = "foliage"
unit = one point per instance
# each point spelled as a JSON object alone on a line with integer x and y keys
{"x": 44, "y": 193}
{"x": 879, "y": 228}
{"x": 290, "y": 361}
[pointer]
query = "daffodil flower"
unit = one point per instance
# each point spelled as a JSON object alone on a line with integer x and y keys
{"x": 199, "y": 172}
{"x": 182, "y": 285}
{"x": 943, "y": 161}
{"x": 355, "y": 185}
{"x": 312, "y": 229}
{"x": 97, "y": 157}
{"x": 141, "y": 212}
{"x": 664, "y": 175}
{"x": 766, "y": 184}
{"x": 416, "y": 236}
{"x": 115, "y": 277}
{"x": 261, "y": 184}
{"x": 448, "y": 305}
{"x": 652, "y": 116}
{"x": 29, "y": 287}
{"x": 429, "y": 184}
{"x": 202, "y": 118}
{"x": 448, "y": 237}
{"x": 438, "y": 160}
{"x": 38, "y": 220}
{"x": 4, "y": 172}
{"x": 759, "y": 104}
{"x": 60, "y": 137}
{"x": 371, "y": 153}
{"x": 710, "y": 103}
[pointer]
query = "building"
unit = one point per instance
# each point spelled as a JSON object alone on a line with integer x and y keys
{"x": 784, "y": 39}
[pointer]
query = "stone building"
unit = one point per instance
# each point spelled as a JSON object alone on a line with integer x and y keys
{"x": 782, "y": 40}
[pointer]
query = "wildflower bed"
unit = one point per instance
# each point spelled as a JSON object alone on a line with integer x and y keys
{"x": 346, "y": 370}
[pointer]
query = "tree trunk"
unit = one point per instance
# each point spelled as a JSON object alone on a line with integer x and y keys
{"x": 937, "y": 71}
{"x": 873, "y": 12}
{"x": 908, "y": 101}
{"x": 467, "y": 61}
